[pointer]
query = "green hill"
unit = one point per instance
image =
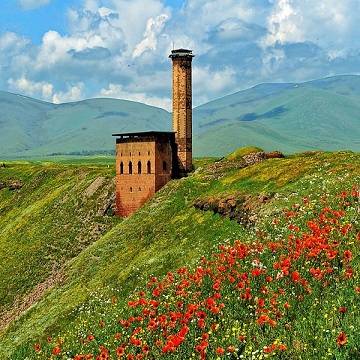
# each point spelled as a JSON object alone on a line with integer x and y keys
{"x": 316, "y": 115}
{"x": 68, "y": 268}
{"x": 32, "y": 129}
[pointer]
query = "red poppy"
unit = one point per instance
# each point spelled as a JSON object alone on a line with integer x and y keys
{"x": 220, "y": 350}
{"x": 205, "y": 336}
{"x": 272, "y": 323}
{"x": 341, "y": 339}
{"x": 37, "y": 347}
{"x": 56, "y": 351}
{"x": 347, "y": 255}
{"x": 262, "y": 319}
{"x": 295, "y": 277}
{"x": 120, "y": 351}
{"x": 201, "y": 315}
{"x": 216, "y": 286}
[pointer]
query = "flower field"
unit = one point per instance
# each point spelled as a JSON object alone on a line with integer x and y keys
{"x": 290, "y": 289}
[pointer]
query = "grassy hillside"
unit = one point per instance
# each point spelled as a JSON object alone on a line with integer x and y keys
{"x": 95, "y": 264}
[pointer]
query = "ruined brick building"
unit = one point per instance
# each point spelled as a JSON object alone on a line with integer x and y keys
{"x": 146, "y": 161}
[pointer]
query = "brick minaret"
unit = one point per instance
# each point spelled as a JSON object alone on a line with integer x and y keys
{"x": 182, "y": 107}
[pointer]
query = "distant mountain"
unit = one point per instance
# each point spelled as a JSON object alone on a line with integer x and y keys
{"x": 31, "y": 128}
{"x": 317, "y": 115}
{"x": 322, "y": 114}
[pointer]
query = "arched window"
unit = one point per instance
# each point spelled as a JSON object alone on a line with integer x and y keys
{"x": 130, "y": 167}
{"x": 121, "y": 168}
{"x": 131, "y": 189}
{"x": 139, "y": 167}
{"x": 149, "y": 167}
{"x": 164, "y": 166}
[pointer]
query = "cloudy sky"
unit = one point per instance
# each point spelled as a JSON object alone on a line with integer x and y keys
{"x": 69, "y": 50}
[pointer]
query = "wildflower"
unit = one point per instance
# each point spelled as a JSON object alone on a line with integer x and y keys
{"x": 349, "y": 273}
{"x": 90, "y": 337}
{"x": 262, "y": 319}
{"x": 272, "y": 322}
{"x": 216, "y": 286}
{"x": 220, "y": 350}
{"x": 347, "y": 255}
{"x": 201, "y": 315}
{"x": 295, "y": 277}
{"x": 241, "y": 286}
{"x": 341, "y": 339}
{"x": 56, "y": 351}
{"x": 120, "y": 351}
{"x": 37, "y": 347}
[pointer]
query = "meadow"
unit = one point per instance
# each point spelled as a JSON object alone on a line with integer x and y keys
{"x": 173, "y": 281}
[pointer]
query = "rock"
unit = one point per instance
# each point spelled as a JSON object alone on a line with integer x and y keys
{"x": 254, "y": 158}
{"x": 275, "y": 155}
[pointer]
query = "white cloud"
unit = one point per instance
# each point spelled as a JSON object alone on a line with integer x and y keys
{"x": 31, "y": 88}
{"x": 117, "y": 91}
{"x": 208, "y": 83}
{"x": 154, "y": 26}
{"x": 33, "y": 4}
{"x": 282, "y": 25}
{"x": 74, "y": 93}
{"x": 126, "y": 43}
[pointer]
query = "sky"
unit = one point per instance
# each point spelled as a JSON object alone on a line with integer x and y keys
{"x": 69, "y": 50}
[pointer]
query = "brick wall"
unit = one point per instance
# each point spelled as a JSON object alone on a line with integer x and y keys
{"x": 143, "y": 166}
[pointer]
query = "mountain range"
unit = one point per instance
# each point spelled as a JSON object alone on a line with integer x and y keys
{"x": 321, "y": 114}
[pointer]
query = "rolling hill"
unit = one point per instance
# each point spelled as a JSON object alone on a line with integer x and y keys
{"x": 322, "y": 114}
{"x": 31, "y": 128}
{"x": 316, "y": 115}
{"x": 73, "y": 277}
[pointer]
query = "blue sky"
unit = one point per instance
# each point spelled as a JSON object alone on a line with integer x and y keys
{"x": 69, "y": 50}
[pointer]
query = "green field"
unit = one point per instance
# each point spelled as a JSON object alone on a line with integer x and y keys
{"x": 69, "y": 268}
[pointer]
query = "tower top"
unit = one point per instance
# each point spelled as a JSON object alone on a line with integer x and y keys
{"x": 181, "y": 53}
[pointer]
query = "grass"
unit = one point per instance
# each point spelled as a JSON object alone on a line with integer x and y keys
{"x": 168, "y": 234}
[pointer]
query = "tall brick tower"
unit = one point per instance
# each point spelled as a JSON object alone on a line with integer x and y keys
{"x": 182, "y": 107}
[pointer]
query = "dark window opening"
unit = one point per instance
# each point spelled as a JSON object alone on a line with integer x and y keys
{"x": 121, "y": 168}
{"x": 149, "y": 167}
{"x": 164, "y": 166}
{"x": 139, "y": 167}
{"x": 130, "y": 167}
{"x": 131, "y": 189}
